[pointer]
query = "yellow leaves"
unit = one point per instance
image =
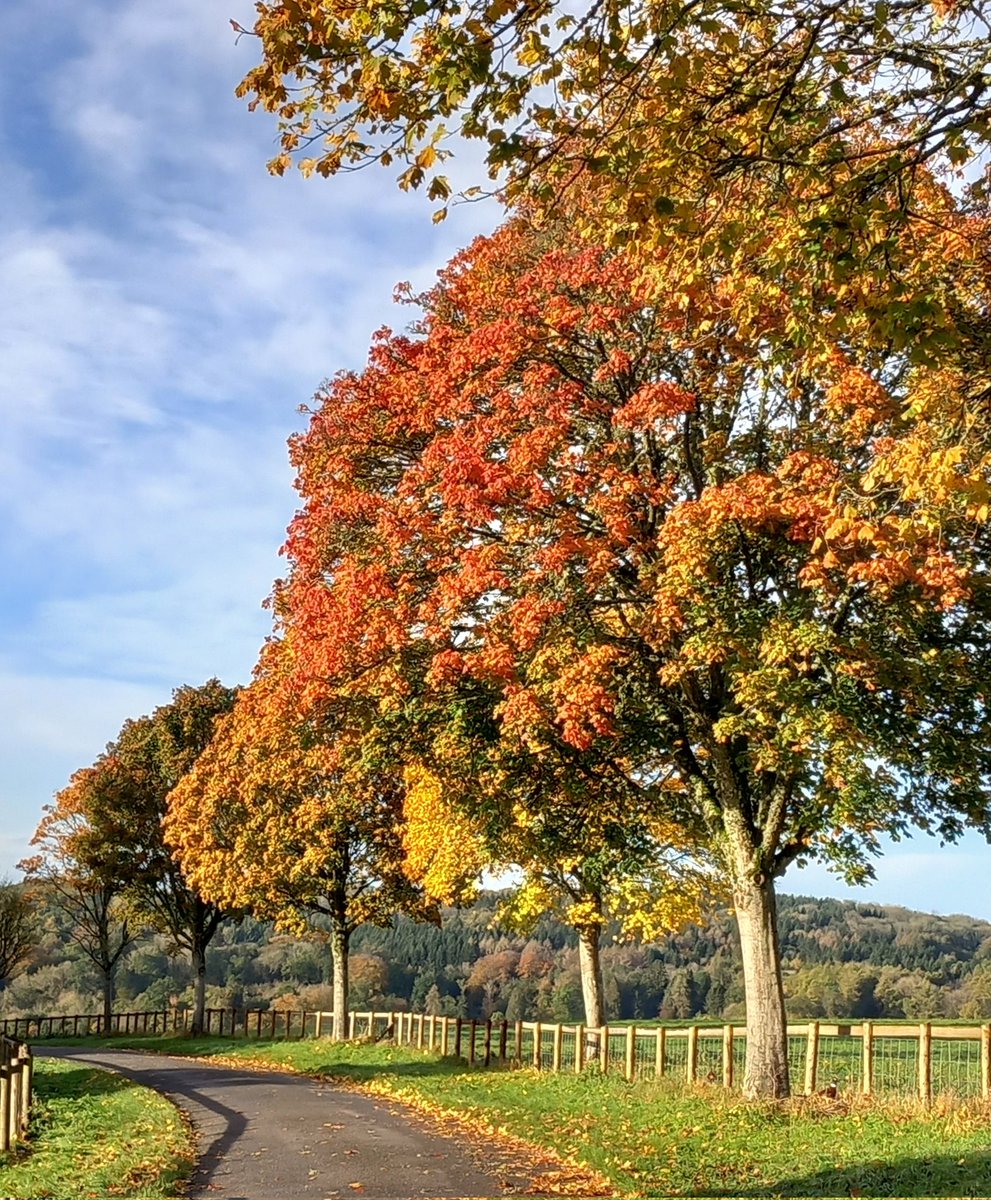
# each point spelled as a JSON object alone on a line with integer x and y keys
{"x": 426, "y": 158}
{"x": 443, "y": 851}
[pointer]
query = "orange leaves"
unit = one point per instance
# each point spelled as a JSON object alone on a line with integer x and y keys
{"x": 653, "y": 403}
{"x": 585, "y": 699}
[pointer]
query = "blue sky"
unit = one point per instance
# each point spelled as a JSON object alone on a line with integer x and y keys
{"x": 165, "y": 308}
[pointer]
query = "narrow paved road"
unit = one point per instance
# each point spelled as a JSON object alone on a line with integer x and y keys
{"x": 269, "y": 1136}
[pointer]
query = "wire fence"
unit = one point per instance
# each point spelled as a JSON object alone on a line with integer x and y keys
{"x": 867, "y": 1057}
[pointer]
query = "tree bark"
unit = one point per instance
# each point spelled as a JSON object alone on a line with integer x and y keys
{"x": 766, "y": 1073}
{"x": 339, "y": 938}
{"x": 108, "y": 970}
{"x": 590, "y": 969}
{"x": 198, "y": 957}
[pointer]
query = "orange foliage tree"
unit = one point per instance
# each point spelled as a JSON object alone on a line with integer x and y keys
{"x": 80, "y": 870}
{"x": 288, "y": 818}
{"x": 110, "y": 821}
{"x": 678, "y": 534}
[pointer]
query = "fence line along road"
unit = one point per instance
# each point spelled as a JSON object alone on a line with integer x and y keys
{"x": 16, "y": 1077}
{"x": 867, "y": 1057}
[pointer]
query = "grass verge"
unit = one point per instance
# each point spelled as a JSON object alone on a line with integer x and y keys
{"x": 94, "y": 1134}
{"x": 657, "y": 1139}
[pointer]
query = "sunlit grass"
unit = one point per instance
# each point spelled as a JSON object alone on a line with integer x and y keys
{"x": 95, "y": 1134}
{"x": 659, "y": 1139}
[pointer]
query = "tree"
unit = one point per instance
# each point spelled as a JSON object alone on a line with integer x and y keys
{"x": 285, "y": 818}
{"x": 148, "y": 759}
{"x": 80, "y": 867}
{"x": 18, "y": 930}
{"x": 735, "y": 567}
{"x": 585, "y": 854}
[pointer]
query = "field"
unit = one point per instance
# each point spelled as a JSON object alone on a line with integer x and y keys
{"x": 97, "y": 1135}
{"x": 658, "y": 1138}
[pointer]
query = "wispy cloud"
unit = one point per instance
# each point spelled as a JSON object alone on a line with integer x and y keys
{"x": 165, "y": 308}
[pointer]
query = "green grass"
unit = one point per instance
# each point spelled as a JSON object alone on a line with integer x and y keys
{"x": 657, "y": 1139}
{"x": 94, "y": 1134}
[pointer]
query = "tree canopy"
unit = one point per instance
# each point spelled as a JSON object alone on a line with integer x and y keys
{"x": 284, "y": 816}
{"x": 80, "y": 863}
{"x": 18, "y": 930}
{"x": 733, "y": 567}
{"x": 827, "y": 104}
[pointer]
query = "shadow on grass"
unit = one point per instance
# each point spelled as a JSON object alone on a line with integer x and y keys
{"x": 208, "y": 1047}
{"x": 359, "y": 1072}
{"x": 81, "y": 1081}
{"x": 966, "y": 1174}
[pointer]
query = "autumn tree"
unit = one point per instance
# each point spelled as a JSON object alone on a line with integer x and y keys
{"x": 81, "y": 872}
{"x": 286, "y": 817}
{"x": 141, "y": 767}
{"x": 18, "y": 930}
{"x": 587, "y": 852}
{"x": 677, "y": 529}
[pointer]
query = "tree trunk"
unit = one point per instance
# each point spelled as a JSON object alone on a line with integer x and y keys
{"x": 198, "y": 955}
{"x": 766, "y": 1074}
{"x": 108, "y": 995}
{"x": 339, "y": 939}
{"x": 590, "y": 969}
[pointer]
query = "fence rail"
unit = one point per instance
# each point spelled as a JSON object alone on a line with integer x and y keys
{"x": 866, "y": 1057}
{"x": 16, "y": 1078}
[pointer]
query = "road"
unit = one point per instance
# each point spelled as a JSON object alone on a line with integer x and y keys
{"x": 264, "y": 1135}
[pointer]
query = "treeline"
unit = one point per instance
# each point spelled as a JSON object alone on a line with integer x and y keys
{"x": 841, "y": 959}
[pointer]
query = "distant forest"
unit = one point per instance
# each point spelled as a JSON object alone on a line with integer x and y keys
{"x": 842, "y": 959}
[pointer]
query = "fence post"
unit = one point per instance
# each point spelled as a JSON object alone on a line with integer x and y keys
{"x": 629, "y": 1065}
{"x": 14, "y": 1112}
{"x": 727, "y": 1056}
{"x": 604, "y": 1049}
{"x": 5, "y": 1090}
{"x": 471, "y": 1043}
{"x": 444, "y": 1035}
{"x": 457, "y": 1037}
{"x": 557, "y": 1052}
{"x": 660, "y": 1058}
{"x": 488, "y": 1041}
{"x": 503, "y": 1038}
{"x": 812, "y": 1058}
{"x": 692, "y": 1065}
{"x": 538, "y": 1044}
{"x": 925, "y": 1063}
{"x": 518, "y": 1043}
{"x": 867, "y": 1033}
{"x": 986, "y": 1061}
{"x": 579, "y": 1049}
{"x": 27, "y": 1079}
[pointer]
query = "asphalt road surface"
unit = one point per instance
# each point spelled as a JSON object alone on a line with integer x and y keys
{"x": 268, "y": 1136}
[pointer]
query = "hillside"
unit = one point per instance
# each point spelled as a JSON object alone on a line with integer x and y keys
{"x": 841, "y": 959}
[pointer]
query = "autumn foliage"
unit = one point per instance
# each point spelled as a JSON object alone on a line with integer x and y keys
{"x": 282, "y": 816}
{"x": 606, "y": 529}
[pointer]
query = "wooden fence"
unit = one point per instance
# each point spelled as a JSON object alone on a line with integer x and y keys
{"x": 16, "y": 1076}
{"x": 871, "y": 1058}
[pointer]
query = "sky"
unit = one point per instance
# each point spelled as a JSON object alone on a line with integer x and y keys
{"x": 166, "y": 307}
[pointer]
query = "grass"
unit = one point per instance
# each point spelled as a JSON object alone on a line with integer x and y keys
{"x": 656, "y": 1138}
{"x": 95, "y": 1134}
